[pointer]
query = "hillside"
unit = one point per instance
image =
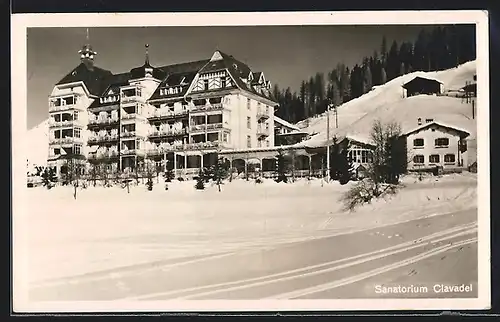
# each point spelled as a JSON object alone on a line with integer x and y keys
{"x": 37, "y": 144}
{"x": 386, "y": 103}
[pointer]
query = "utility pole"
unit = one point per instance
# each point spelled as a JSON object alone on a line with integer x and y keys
{"x": 336, "y": 117}
{"x": 328, "y": 142}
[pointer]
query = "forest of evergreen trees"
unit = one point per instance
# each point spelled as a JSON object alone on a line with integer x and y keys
{"x": 440, "y": 48}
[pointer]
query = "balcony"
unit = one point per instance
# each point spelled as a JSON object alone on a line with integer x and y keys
{"x": 55, "y": 124}
{"x": 203, "y": 145}
{"x": 64, "y": 103}
{"x": 102, "y": 139}
{"x": 126, "y": 99}
{"x": 206, "y": 127}
{"x": 132, "y": 117}
{"x": 66, "y": 140}
{"x": 103, "y": 122}
{"x": 263, "y": 114}
{"x": 159, "y": 134}
{"x": 103, "y": 155}
{"x": 125, "y": 152}
{"x": 206, "y": 108}
{"x": 167, "y": 115}
{"x": 262, "y": 131}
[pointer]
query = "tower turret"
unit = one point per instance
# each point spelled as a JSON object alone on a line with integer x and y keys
{"x": 87, "y": 53}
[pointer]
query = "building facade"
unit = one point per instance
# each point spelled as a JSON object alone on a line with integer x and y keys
{"x": 177, "y": 115}
{"x": 434, "y": 144}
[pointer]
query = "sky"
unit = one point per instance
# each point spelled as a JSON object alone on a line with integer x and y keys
{"x": 286, "y": 54}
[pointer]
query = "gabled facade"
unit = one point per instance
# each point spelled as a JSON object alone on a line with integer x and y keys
{"x": 176, "y": 115}
{"x": 436, "y": 144}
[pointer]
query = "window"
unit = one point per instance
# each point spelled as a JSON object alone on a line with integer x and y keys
{"x": 223, "y": 82}
{"x": 267, "y": 143}
{"x": 57, "y": 134}
{"x": 449, "y": 158}
{"x": 225, "y": 137}
{"x": 418, "y": 159}
{"x": 77, "y": 149}
{"x": 57, "y": 151}
{"x": 418, "y": 143}
{"x": 248, "y": 103}
{"x": 205, "y": 84}
{"x": 249, "y": 122}
{"x": 434, "y": 158}
{"x": 57, "y": 117}
{"x": 77, "y": 133}
{"x": 442, "y": 142}
{"x": 75, "y": 115}
{"x": 249, "y": 141}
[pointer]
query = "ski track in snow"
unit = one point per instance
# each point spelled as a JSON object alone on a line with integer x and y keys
{"x": 106, "y": 227}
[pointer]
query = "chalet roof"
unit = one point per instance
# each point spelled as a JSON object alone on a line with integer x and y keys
{"x": 470, "y": 87}
{"x": 421, "y": 79}
{"x": 462, "y": 132}
{"x": 285, "y": 123}
{"x": 95, "y": 79}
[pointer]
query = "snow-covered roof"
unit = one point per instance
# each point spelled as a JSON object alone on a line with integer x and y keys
{"x": 285, "y": 123}
{"x": 440, "y": 124}
{"x": 426, "y": 77}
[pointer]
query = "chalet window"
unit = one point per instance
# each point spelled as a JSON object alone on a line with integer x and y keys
{"x": 223, "y": 82}
{"x": 205, "y": 84}
{"x": 434, "y": 158}
{"x": 249, "y": 122}
{"x": 418, "y": 158}
{"x": 449, "y": 158}
{"x": 249, "y": 141}
{"x": 418, "y": 142}
{"x": 442, "y": 142}
{"x": 77, "y": 149}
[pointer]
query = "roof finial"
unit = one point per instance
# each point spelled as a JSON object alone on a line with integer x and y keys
{"x": 147, "y": 53}
{"x": 88, "y": 38}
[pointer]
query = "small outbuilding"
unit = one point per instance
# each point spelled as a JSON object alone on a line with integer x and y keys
{"x": 421, "y": 85}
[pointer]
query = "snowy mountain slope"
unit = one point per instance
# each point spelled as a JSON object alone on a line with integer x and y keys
{"x": 386, "y": 103}
{"x": 37, "y": 144}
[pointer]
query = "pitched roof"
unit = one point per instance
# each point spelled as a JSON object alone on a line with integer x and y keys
{"x": 439, "y": 124}
{"x": 421, "y": 78}
{"x": 174, "y": 80}
{"x": 95, "y": 79}
{"x": 285, "y": 123}
{"x": 99, "y": 81}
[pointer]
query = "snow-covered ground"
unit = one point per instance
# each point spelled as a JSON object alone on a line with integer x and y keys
{"x": 386, "y": 102}
{"x": 108, "y": 228}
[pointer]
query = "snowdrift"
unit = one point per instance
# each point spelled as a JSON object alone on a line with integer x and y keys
{"x": 386, "y": 103}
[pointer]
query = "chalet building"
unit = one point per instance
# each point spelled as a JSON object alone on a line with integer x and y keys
{"x": 286, "y": 133}
{"x": 434, "y": 144}
{"x": 177, "y": 115}
{"x": 421, "y": 85}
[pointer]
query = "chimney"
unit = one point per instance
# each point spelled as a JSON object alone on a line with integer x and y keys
{"x": 429, "y": 120}
{"x": 419, "y": 121}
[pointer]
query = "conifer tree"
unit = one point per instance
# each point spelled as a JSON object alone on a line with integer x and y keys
{"x": 200, "y": 182}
